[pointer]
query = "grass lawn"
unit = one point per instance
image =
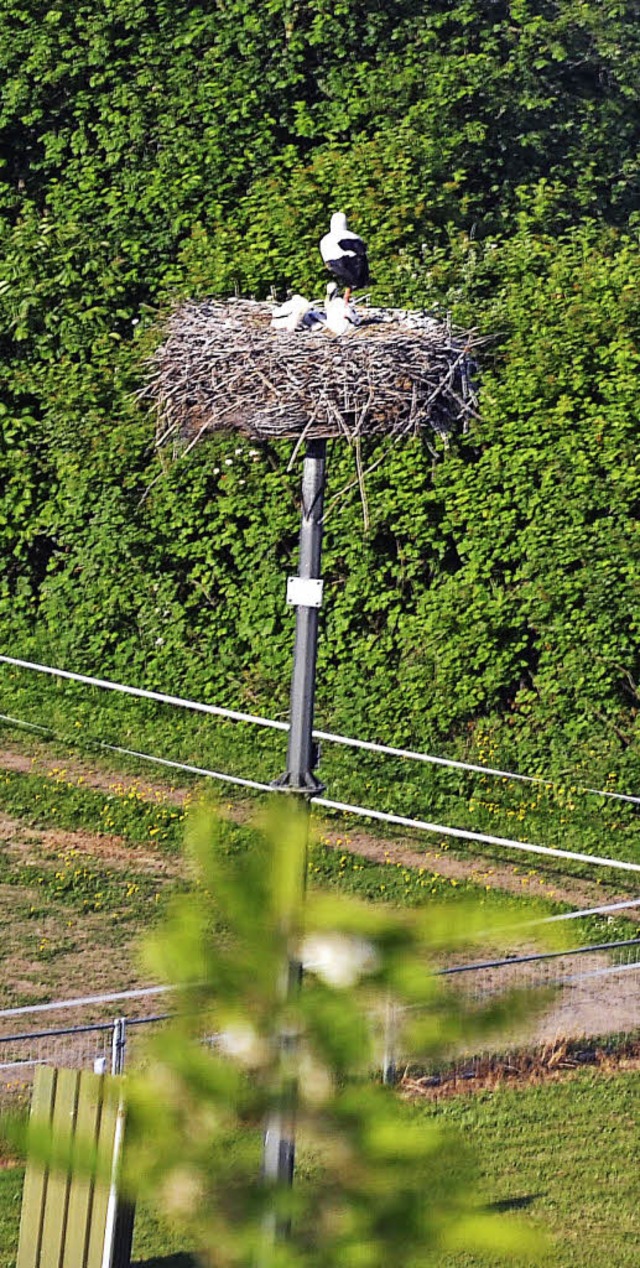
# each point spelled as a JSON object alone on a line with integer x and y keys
{"x": 84, "y": 872}
{"x": 10, "y": 1196}
{"x": 562, "y": 814}
{"x": 562, "y": 1155}
{"x": 82, "y": 869}
{"x": 566, "y": 1156}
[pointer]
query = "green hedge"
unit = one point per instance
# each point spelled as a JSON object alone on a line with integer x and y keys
{"x": 488, "y": 154}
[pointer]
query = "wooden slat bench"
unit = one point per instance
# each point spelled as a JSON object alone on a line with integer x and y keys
{"x": 71, "y": 1219}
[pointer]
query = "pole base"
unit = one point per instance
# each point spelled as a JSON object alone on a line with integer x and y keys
{"x": 306, "y": 784}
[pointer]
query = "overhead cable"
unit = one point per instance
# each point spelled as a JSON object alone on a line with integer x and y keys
{"x": 329, "y": 736}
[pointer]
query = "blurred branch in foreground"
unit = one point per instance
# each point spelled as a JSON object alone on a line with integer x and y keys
{"x": 374, "y": 1186}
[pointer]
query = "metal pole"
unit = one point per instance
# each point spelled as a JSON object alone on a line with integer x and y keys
{"x": 118, "y": 1045}
{"x": 279, "y": 1151}
{"x": 305, "y": 593}
{"x": 389, "y": 1060}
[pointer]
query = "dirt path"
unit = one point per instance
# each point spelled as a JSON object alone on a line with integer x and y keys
{"x": 482, "y": 870}
{"x": 32, "y": 844}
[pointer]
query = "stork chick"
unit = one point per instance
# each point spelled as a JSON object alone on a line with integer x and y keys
{"x": 290, "y": 315}
{"x": 341, "y": 316}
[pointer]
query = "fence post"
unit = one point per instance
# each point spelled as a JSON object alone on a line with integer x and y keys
{"x": 389, "y": 1059}
{"x": 118, "y": 1045}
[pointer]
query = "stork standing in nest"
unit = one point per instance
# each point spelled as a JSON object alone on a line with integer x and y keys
{"x": 345, "y": 254}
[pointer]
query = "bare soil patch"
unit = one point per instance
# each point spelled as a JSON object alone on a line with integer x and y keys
{"x": 34, "y": 844}
{"x": 51, "y": 952}
{"x": 100, "y": 777}
{"x": 574, "y": 997}
{"x": 481, "y": 871}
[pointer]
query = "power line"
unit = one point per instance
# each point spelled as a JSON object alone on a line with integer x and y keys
{"x": 329, "y": 736}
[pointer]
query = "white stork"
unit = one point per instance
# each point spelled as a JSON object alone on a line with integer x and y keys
{"x": 345, "y": 254}
{"x": 341, "y": 316}
{"x": 296, "y": 313}
{"x": 290, "y": 315}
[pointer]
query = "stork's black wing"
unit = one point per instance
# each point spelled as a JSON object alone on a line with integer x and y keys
{"x": 353, "y": 244}
{"x": 352, "y": 267}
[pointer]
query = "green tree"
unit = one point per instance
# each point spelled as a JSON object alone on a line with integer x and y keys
{"x": 373, "y": 1184}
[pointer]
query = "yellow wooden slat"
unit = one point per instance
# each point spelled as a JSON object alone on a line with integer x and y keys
{"x": 80, "y": 1208}
{"x": 36, "y": 1178}
{"x": 57, "y": 1195}
{"x": 101, "y": 1190}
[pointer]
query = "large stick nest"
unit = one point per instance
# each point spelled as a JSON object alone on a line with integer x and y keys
{"x": 221, "y": 367}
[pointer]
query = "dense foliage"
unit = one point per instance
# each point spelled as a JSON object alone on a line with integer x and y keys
{"x": 488, "y": 152}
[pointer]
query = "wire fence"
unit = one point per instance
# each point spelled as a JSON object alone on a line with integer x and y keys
{"x": 331, "y": 737}
{"x": 367, "y": 812}
{"x": 107, "y": 1047}
{"x": 595, "y": 989}
{"x": 588, "y": 992}
{"x": 585, "y": 995}
{"x": 364, "y": 812}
